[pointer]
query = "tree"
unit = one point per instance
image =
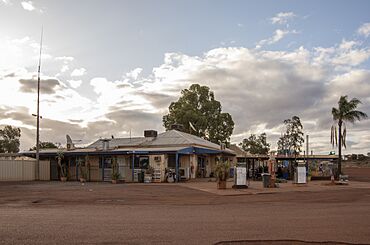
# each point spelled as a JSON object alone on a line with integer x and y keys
{"x": 45, "y": 145}
{"x": 200, "y": 114}
{"x": 346, "y": 112}
{"x": 292, "y": 140}
{"x": 62, "y": 165}
{"x": 294, "y": 134}
{"x": 9, "y": 139}
{"x": 282, "y": 144}
{"x": 256, "y": 145}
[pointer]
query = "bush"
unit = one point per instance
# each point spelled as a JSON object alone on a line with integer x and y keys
{"x": 222, "y": 171}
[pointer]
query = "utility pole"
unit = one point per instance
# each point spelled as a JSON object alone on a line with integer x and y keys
{"x": 38, "y": 113}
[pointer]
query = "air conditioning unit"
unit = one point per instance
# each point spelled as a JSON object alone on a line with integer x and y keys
{"x": 157, "y": 158}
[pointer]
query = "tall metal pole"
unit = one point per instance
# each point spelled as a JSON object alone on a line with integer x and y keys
{"x": 38, "y": 112}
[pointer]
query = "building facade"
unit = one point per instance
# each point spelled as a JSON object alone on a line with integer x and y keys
{"x": 185, "y": 155}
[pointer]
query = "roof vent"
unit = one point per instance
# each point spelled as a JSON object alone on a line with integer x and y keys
{"x": 105, "y": 144}
{"x": 150, "y": 133}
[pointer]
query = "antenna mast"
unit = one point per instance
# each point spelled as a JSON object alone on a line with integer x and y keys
{"x": 38, "y": 112}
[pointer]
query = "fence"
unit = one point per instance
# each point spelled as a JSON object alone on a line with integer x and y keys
{"x": 23, "y": 170}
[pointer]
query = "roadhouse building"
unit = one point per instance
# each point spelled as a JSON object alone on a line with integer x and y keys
{"x": 187, "y": 155}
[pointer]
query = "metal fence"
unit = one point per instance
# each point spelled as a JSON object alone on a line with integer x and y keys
{"x": 23, "y": 170}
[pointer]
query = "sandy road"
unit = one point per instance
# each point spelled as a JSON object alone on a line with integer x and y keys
{"x": 57, "y": 213}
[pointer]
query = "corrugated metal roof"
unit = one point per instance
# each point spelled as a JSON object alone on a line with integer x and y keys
{"x": 168, "y": 138}
{"x": 121, "y": 142}
{"x": 174, "y": 137}
{"x": 171, "y": 140}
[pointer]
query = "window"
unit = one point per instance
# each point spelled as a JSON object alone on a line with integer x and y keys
{"x": 107, "y": 162}
{"x": 171, "y": 161}
{"x": 144, "y": 162}
{"x": 141, "y": 162}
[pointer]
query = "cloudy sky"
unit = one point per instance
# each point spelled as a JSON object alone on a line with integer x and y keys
{"x": 109, "y": 67}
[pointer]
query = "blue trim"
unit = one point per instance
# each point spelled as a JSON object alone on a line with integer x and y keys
{"x": 133, "y": 167}
{"x": 185, "y": 150}
{"x": 177, "y": 167}
{"x": 206, "y": 151}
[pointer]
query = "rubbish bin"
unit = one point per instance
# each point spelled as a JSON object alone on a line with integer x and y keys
{"x": 266, "y": 179}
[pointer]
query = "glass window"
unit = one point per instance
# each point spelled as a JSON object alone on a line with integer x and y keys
{"x": 107, "y": 162}
{"x": 140, "y": 162}
{"x": 144, "y": 162}
{"x": 171, "y": 161}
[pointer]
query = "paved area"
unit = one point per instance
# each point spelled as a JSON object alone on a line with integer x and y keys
{"x": 255, "y": 187}
{"x": 96, "y": 213}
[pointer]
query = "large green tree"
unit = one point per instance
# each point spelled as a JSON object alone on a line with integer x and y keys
{"x": 45, "y": 145}
{"x": 256, "y": 144}
{"x": 200, "y": 114}
{"x": 292, "y": 140}
{"x": 346, "y": 112}
{"x": 9, "y": 139}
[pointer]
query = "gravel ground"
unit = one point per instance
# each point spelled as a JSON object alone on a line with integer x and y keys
{"x": 358, "y": 174}
{"x": 101, "y": 213}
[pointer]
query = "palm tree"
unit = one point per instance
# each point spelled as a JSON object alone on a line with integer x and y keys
{"x": 346, "y": 112}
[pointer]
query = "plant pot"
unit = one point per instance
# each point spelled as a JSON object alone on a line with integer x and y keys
{"x": 82, "y": 180}
{"x": 221, "y": 184}
{"x": 63, "y": 179}
{"x": 114, "y": 181}
{"x": 148, "y": 178}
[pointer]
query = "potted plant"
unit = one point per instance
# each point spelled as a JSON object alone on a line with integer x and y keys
{"x": 83, "y": 169}
{"x": 115, "y": 171}
{"x": 309, "y": 175}
{"x": 149, "y": 174}
{"x": 222, "y": 174}
{"x": 62, "y": 166}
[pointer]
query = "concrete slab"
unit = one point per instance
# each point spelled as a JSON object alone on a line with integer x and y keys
{"x": 255, "y": 187}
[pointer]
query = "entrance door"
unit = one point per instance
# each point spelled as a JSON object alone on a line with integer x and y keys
{"x": 201, "y": 173}
{"x": 107, "y": 169}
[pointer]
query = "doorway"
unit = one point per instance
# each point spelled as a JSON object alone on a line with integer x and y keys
{"x": 201, "y": 170}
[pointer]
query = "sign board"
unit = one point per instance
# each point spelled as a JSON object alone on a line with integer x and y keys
{"x": 301, "y": 172}
{"x": 241, "y": 176}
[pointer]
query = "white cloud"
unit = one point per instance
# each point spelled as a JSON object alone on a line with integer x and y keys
{"x": 364, "y": 30}
{"x": 65, "y": 59}
{"x": 348, "y": 44}
{"x": 64, "y": 68}
{"x": 278, "y": 35}
{"x": 282, "y": 17}
{"x": 134, "y": 73}
{"x": 75, "y": 83}
{"x": 28, "y": 5}
{"x": 5, "y": 2}
{"x": 78, "y": 72}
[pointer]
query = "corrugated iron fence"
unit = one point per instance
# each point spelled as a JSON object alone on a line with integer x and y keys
{"x": 23, "y": 170}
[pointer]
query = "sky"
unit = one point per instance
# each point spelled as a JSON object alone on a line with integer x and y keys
{"x": 113, "y": 67}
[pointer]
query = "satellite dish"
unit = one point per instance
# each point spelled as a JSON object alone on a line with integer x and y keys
{"x": 70, "y": 145}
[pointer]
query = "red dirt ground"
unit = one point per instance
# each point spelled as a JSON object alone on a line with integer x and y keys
{"x": 96, "y": 213}
{"x": 358, "y": 174}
